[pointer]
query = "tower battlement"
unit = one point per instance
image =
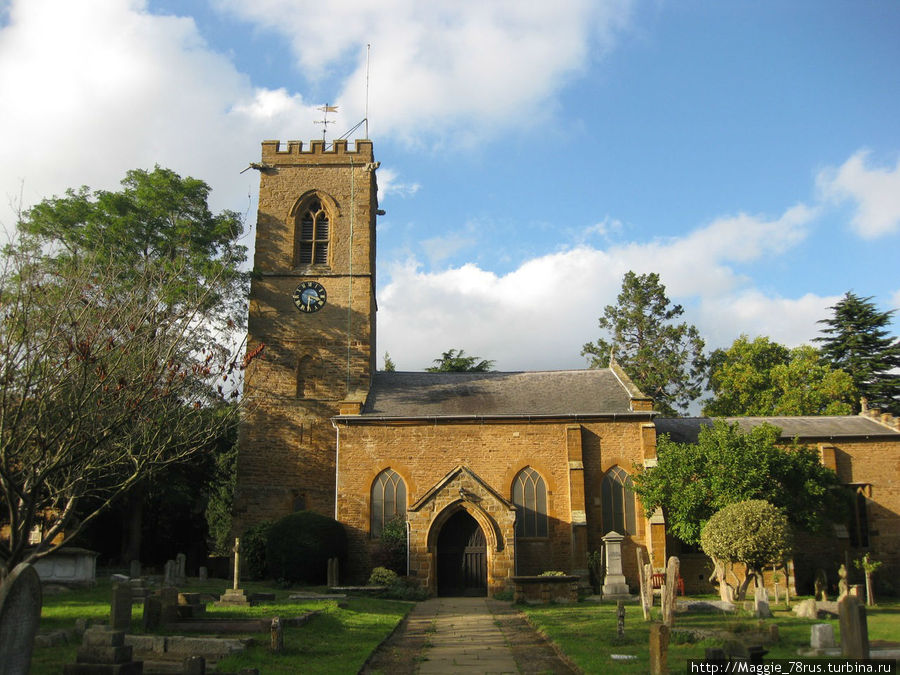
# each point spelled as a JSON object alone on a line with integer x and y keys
{"x": 275, "y": 151}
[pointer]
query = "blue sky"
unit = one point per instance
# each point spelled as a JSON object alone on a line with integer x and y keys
{"x": 749, "y": 152}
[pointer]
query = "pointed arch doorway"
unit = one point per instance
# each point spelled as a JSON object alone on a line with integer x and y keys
{"x": 461, "y": 557}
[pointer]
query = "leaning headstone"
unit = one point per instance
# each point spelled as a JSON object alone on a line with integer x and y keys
{"x": 134, "y": 569}
{"x": 333, "y": 572}
{"x": 659, "y": 648}
{"x": 646, "y": 590}
{"x": 821, "y": 636}
{"x": 104, "y": 651}
{"x": 761, "y": 603}
{"x": 203, "y": 573}
{"x": 614, "y": 582}
{"x": 806, "y": 609}
{"x": 854, "y": 629}
{"x": 20, "y": 614}
{"x": 180, "y": 568}
{"x": 277, "y": 636}
{"x": 620, "y": 618}
{"x": 120, "y": 608}
{"x": 668, "y": 591}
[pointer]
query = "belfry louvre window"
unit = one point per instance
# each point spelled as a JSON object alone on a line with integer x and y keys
{"x": 388, "y": 500}
{"x": 312, "y": 242}
{"x": 617, "y": 499}
{"x": 530, "y": 498}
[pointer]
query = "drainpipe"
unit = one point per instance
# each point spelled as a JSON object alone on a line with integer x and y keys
{"x": 407, "y": 546}
{"x": 337, "y": 464}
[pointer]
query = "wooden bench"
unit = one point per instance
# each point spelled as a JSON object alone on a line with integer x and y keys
{"x": 657, "y": 581}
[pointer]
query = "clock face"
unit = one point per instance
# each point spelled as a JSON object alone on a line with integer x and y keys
{"x": 310, "y": 296}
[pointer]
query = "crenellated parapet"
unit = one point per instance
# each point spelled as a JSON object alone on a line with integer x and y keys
{"x": 275, "y": 152}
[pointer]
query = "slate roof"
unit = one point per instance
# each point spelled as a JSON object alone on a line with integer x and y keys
{"x": 566, "y": 393}
{"x": 686, "y": 429}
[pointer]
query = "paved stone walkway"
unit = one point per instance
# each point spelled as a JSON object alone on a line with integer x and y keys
{"x": 462, "y": 637}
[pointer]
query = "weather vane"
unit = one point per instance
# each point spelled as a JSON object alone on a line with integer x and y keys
{"x": 325, "y": 121}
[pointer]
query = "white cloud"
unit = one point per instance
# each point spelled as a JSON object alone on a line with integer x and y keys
{"x": 876, "y": 192}
{"x": 94, "y": 88}
{"x": 469, "y": 67}
{"x": 390, "y": 184}
{"x": 539, "y": 315}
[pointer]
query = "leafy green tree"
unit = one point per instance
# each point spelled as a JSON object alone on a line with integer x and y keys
{"x": 692, "y": 481}
{"x": 760, "y": 378}
{"x": 456, "y": 361}
{"x": 754, "y": 533}
{"x": 663, "y": 358}
{"x": 856, "y": 339}
{"x": 157, "y": 223}
{"x": 103, "y": 386}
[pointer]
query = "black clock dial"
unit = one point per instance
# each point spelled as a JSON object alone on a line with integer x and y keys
{"x": 310, "y": 296}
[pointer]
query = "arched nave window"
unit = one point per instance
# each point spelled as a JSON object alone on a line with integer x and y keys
{"x": 388, "y": 499}
{"x": 617, "y": 498}
{"x": 530, "y": 498}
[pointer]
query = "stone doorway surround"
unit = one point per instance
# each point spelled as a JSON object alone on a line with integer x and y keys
{"x": 462, "y": 489}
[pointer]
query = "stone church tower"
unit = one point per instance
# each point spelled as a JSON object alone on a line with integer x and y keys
{"x": 312, "y": 310}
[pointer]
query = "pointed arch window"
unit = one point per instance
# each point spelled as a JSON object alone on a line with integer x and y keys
{"x": 388, "y": 500}
{"x": 530, "y": 498}
{"x": 617, "y": 499}
{"x": 312, "y": 233}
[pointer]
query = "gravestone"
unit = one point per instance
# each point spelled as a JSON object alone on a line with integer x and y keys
{"x": 203, "y": 573}
{"x": 120, "y": 607}
{"x": 659, "y": 648}
{"x": 614, "y": 581}
{"x": 806, "y": 609}
{"x": 180, "y": 568}
{"x": 20, "y": 614}
{"x": 645, "y": 589}
{"x": 277, "y": 636}
{"x": 333, "y": 572}
{"x": 104, "y": 651}
{"x": 668, "y": 591}
{"x": 134, "y": 569}
{"x": 168, "y": 600}
{"x": 152, "y": 616}
{"x": 194, "y": 665}
{"x": 821, "y": 636}
{"x": 235, "y": 596}
{"x": 761, "y": 603}
{"x": 854, "y": 629}
{"x": 169, "y": 573}
{"x": 620, "y": 618}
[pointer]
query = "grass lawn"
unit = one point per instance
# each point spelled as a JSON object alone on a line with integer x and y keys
{"x": 586, "y": 633}
{"x": 336, "y": 641}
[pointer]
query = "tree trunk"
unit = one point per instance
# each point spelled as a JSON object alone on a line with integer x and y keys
{"x": 132, "y": 524}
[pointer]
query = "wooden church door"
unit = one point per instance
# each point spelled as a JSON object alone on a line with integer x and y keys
{"x": 462, "y": 557}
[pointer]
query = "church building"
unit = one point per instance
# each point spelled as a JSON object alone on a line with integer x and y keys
{"x": 495, "y": 474}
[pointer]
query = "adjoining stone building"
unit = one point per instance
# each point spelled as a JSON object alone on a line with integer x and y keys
{"x": 495, "y": 474}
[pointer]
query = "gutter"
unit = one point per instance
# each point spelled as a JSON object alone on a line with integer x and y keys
{"x": 520, "y": 417}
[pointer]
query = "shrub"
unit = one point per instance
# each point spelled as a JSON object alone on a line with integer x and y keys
{"x": 406, "y": 588}
{"x": 300, "y": 545}
{"x": 253, "y": 551}
{"x": 391, "y": 549}
{"x": 754, "y": 533}
{"x": 382, "y": 576}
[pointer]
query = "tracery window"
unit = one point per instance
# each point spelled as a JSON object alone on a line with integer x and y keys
{"x": 530, "y": 498}
{"x": 617, "y": 499}
{"x": 388, "y": 500}
{"x": 312, "y": 235}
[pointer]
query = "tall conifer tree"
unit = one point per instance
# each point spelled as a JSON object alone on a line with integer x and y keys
{"x": 857, "y": 340}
